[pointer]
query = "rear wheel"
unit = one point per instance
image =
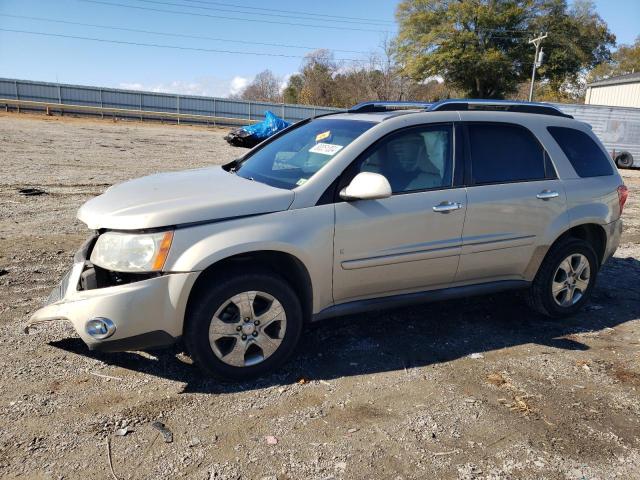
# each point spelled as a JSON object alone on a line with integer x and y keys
{"x": 245, "y": 326}
{"x": 565, "y": 279}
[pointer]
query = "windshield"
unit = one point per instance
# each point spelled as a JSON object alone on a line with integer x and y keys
{"x": 293, "y": 158}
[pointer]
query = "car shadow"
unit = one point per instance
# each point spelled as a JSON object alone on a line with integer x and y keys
{"x": 408, "y": 337}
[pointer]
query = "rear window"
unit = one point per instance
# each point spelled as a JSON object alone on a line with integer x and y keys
{"x": 502, "y": 153}
{"x": 585, "y": 155}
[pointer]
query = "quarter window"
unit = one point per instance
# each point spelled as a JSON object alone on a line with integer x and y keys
{"x": 414, "y": 159}
{"x": 585, "y": 155}
{"x": 503, "y": 153}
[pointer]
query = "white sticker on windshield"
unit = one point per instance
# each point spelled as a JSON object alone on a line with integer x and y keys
{"x": 325, "y": 148}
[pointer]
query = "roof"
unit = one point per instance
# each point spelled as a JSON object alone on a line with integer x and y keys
{"x": 379, "y": 111}
{"x": 385, "y": 106}
{"x": 628, "y": 78}
{"x": 518, "y": 106}
{"x": 370, "y": 117}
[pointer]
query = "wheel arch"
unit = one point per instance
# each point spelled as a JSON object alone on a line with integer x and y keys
{"x": 280, "y": 263}
{"x": 592, "y": 233}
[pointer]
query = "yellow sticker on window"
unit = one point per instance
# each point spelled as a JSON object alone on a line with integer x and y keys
{"x": 323, "y": 136}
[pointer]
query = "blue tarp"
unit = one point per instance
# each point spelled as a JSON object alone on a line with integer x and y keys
{"x": 271, "y": 124}
{"x": 251, "y": 135}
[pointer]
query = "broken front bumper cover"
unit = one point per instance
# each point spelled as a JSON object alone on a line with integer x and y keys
{"x": 147, "y": 313}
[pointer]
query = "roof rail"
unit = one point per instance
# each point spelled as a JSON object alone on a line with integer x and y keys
{"x": 498, "y": 106}
{"x": 369, "y": 107}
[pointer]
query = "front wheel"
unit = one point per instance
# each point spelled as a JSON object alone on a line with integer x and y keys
{"x": 245, "y": 326}
{"x": 565, "y": 279}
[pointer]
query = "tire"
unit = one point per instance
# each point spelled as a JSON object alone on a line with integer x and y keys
{"x": 624, "y": 160}
{"x": 225, "y": 346}
{"x": 552, "y": 273}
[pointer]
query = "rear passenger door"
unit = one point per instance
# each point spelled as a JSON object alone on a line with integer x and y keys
{"x": 514, "y": 198}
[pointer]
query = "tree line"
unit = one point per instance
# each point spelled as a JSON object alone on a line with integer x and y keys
{"x": 464, "y": 48}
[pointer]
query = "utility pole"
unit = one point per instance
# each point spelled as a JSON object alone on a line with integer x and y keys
{"x": 537, "y": 61}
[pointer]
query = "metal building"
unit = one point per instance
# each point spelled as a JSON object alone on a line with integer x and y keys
{"x": 621, "y": 91}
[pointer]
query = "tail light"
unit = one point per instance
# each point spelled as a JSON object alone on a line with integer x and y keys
{"x": 623, "y": 193}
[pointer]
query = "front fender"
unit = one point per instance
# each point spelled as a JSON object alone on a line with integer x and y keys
{"x": 306, "y": 234}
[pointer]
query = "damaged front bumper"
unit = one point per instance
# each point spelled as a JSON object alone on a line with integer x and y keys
{"x": 143, "y": 314}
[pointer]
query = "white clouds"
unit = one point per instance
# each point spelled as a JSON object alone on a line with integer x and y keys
{"x": 285, "y": 81}
{"x": 131, "y": 86}
{"x": 238, "y": 84}
{"x": 437, "y": 78}
{"x": 206, "y": 86}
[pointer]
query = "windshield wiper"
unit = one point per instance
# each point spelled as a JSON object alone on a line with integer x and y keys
{"x": 232, "y": 166}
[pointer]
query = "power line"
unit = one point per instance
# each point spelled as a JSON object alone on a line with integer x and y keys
{"x": 280, "y": 15}
{"x": 526, "y": 35}
{"x": 312, "y": 14}
{"x": 170, "y": 34}
{"x": 160, "y": 45}
{"x": 192, "y": 14}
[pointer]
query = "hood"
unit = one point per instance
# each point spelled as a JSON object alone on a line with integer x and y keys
{"x": 176, "y": 198}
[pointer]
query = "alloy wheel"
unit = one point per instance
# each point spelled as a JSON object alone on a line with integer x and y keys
{"x": 247, "y": 328}
{"x": 571, "y": 280}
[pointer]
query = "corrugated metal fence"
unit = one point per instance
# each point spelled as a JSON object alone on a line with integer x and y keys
{"x": 151, "y": 101}
{"x": 617, "y": 127}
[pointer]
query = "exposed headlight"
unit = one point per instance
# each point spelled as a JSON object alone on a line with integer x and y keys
{"x": 126, "y": 252}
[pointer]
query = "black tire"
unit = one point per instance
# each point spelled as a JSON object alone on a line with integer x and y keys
{"x": 624, "y": 160}
{"x": 540, "y": 297}
{"x": 210, "y": 298}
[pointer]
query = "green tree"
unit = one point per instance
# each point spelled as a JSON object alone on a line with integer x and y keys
{"x": 626, "y": 59}
{"x": 578, "y": 41}
{"x": 318, "y": 69}
{"x": 291, "y": 92}
{"x": 481, "y": 46}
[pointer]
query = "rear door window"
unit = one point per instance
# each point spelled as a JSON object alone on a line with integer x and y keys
{"x": 586, "y": 157}
{"x": 504, "y": 153}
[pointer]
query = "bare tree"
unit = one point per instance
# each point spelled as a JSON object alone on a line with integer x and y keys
{"x": 318, "y": 70}
{"x": 323, "y": 81}
{"x": 389, "y": 82}
{"x": 265, "y": 87}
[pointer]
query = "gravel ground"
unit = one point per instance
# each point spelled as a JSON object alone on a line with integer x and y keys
{"x": 473, "y": 389}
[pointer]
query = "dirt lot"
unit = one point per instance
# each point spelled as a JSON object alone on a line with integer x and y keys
{"x": 481, "y": 388}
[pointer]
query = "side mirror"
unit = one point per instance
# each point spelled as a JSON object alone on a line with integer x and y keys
{"x": 367, "y": 186}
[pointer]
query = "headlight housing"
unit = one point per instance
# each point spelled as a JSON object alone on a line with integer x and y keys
{"x": 127, "y": 252}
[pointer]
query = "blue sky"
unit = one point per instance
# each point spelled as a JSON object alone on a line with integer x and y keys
{"x": 70, "y": 60}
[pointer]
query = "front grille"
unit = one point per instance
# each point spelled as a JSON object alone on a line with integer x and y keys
{"x": 58, "y": 292}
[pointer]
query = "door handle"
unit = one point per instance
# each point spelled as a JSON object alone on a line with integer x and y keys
{"x": 547, "y": 195}
{"x": 446, "y": 207}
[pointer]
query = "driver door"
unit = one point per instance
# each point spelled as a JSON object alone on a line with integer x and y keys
{"x": 410, "y": 241}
